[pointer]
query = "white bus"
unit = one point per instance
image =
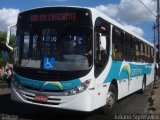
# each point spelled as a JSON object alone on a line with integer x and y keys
{"x": 77, "y": 58}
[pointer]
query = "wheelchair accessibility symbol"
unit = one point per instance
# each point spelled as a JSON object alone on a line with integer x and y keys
{"x": 48, "y": 63}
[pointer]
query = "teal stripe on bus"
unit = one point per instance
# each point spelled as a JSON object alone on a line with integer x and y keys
{"x": 122, "y": 70}
{"x": 47, "y": 85}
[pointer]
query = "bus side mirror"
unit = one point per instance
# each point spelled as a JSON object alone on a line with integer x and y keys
{"x": 8, "y": 36}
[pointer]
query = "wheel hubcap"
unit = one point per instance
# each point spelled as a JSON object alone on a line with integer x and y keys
{"x": 110, "y": 99}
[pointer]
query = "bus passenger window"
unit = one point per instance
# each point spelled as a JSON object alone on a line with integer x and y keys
{"x": 117, "y": 53}
{"x": 117, "y": 45}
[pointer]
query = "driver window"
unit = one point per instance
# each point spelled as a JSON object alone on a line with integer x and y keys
{"x": 26, "y": 45}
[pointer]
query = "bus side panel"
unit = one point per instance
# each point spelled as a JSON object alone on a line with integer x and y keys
{"x": 101, "y": 88}
{"x": 122, "y": 88}
{"x": 129, "y": 76}
{"x": 135, "y": 84}
{"x": 100, "y": 95}
{"x": 150, "y": 77}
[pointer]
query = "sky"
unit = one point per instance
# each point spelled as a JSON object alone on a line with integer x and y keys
{"x": 130, "y": 13}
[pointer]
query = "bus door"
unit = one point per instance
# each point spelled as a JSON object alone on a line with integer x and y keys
{"x": 101, "y": 56}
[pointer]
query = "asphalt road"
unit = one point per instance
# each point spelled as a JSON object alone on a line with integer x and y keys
{"x": 132, "y": 104}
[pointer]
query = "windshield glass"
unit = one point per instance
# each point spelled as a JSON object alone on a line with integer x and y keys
{"x": 56, "y": 48}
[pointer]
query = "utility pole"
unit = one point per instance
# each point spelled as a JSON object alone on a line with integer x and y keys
{"x": 155, "y": 49}
{"x": 154, "y": 28}
{"x": 158, "y": 29}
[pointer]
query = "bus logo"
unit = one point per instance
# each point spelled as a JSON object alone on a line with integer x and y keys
{"x": 56, "y": 84}
{"x": 125, "y": 66}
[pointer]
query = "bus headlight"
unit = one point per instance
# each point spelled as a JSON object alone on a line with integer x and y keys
{"x": 78, "y": 89}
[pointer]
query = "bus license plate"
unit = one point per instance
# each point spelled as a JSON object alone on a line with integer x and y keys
{"x": 41, "y": 98}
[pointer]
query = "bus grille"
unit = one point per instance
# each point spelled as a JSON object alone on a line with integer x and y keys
{"x": 51, "y": 100}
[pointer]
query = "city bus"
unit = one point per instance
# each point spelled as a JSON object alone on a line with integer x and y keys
{"x": 77, "y": 58}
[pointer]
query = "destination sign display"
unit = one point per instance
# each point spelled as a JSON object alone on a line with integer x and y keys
{"x": 53, "y": 17}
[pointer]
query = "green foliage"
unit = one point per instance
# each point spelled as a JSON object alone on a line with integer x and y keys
{"x": 4, "y": 55}
{"x": 12, "y": 40}
{"x": 3, "y": 37}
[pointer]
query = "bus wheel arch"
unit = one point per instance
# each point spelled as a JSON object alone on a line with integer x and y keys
{"x": 112, "y": 96}
{"x": 114, "y": 82}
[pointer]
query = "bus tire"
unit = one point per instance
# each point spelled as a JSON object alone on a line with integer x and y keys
{"x": 143, "y": 85}
{"x": 111, "y": 99}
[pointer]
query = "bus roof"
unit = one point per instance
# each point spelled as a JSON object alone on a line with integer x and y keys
{"x": 95, "y": 14}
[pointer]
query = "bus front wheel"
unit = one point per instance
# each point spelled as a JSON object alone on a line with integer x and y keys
{"x": 111, "y": 99}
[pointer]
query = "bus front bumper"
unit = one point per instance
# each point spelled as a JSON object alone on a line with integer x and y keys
{"x": 78, "y": 102}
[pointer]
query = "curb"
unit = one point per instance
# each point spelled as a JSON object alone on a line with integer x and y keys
{"x": 154, "y": 107}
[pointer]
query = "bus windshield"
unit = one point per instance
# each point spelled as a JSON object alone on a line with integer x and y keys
{"x": 55, "y": 48}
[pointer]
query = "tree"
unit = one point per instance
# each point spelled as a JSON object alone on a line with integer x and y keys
{"x": 12, "y": 40}
{"x": 3, "y": 37}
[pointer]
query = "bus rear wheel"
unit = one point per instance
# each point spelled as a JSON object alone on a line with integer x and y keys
{"x": 143, "y": 85}
{"x": 111, "y": 99}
